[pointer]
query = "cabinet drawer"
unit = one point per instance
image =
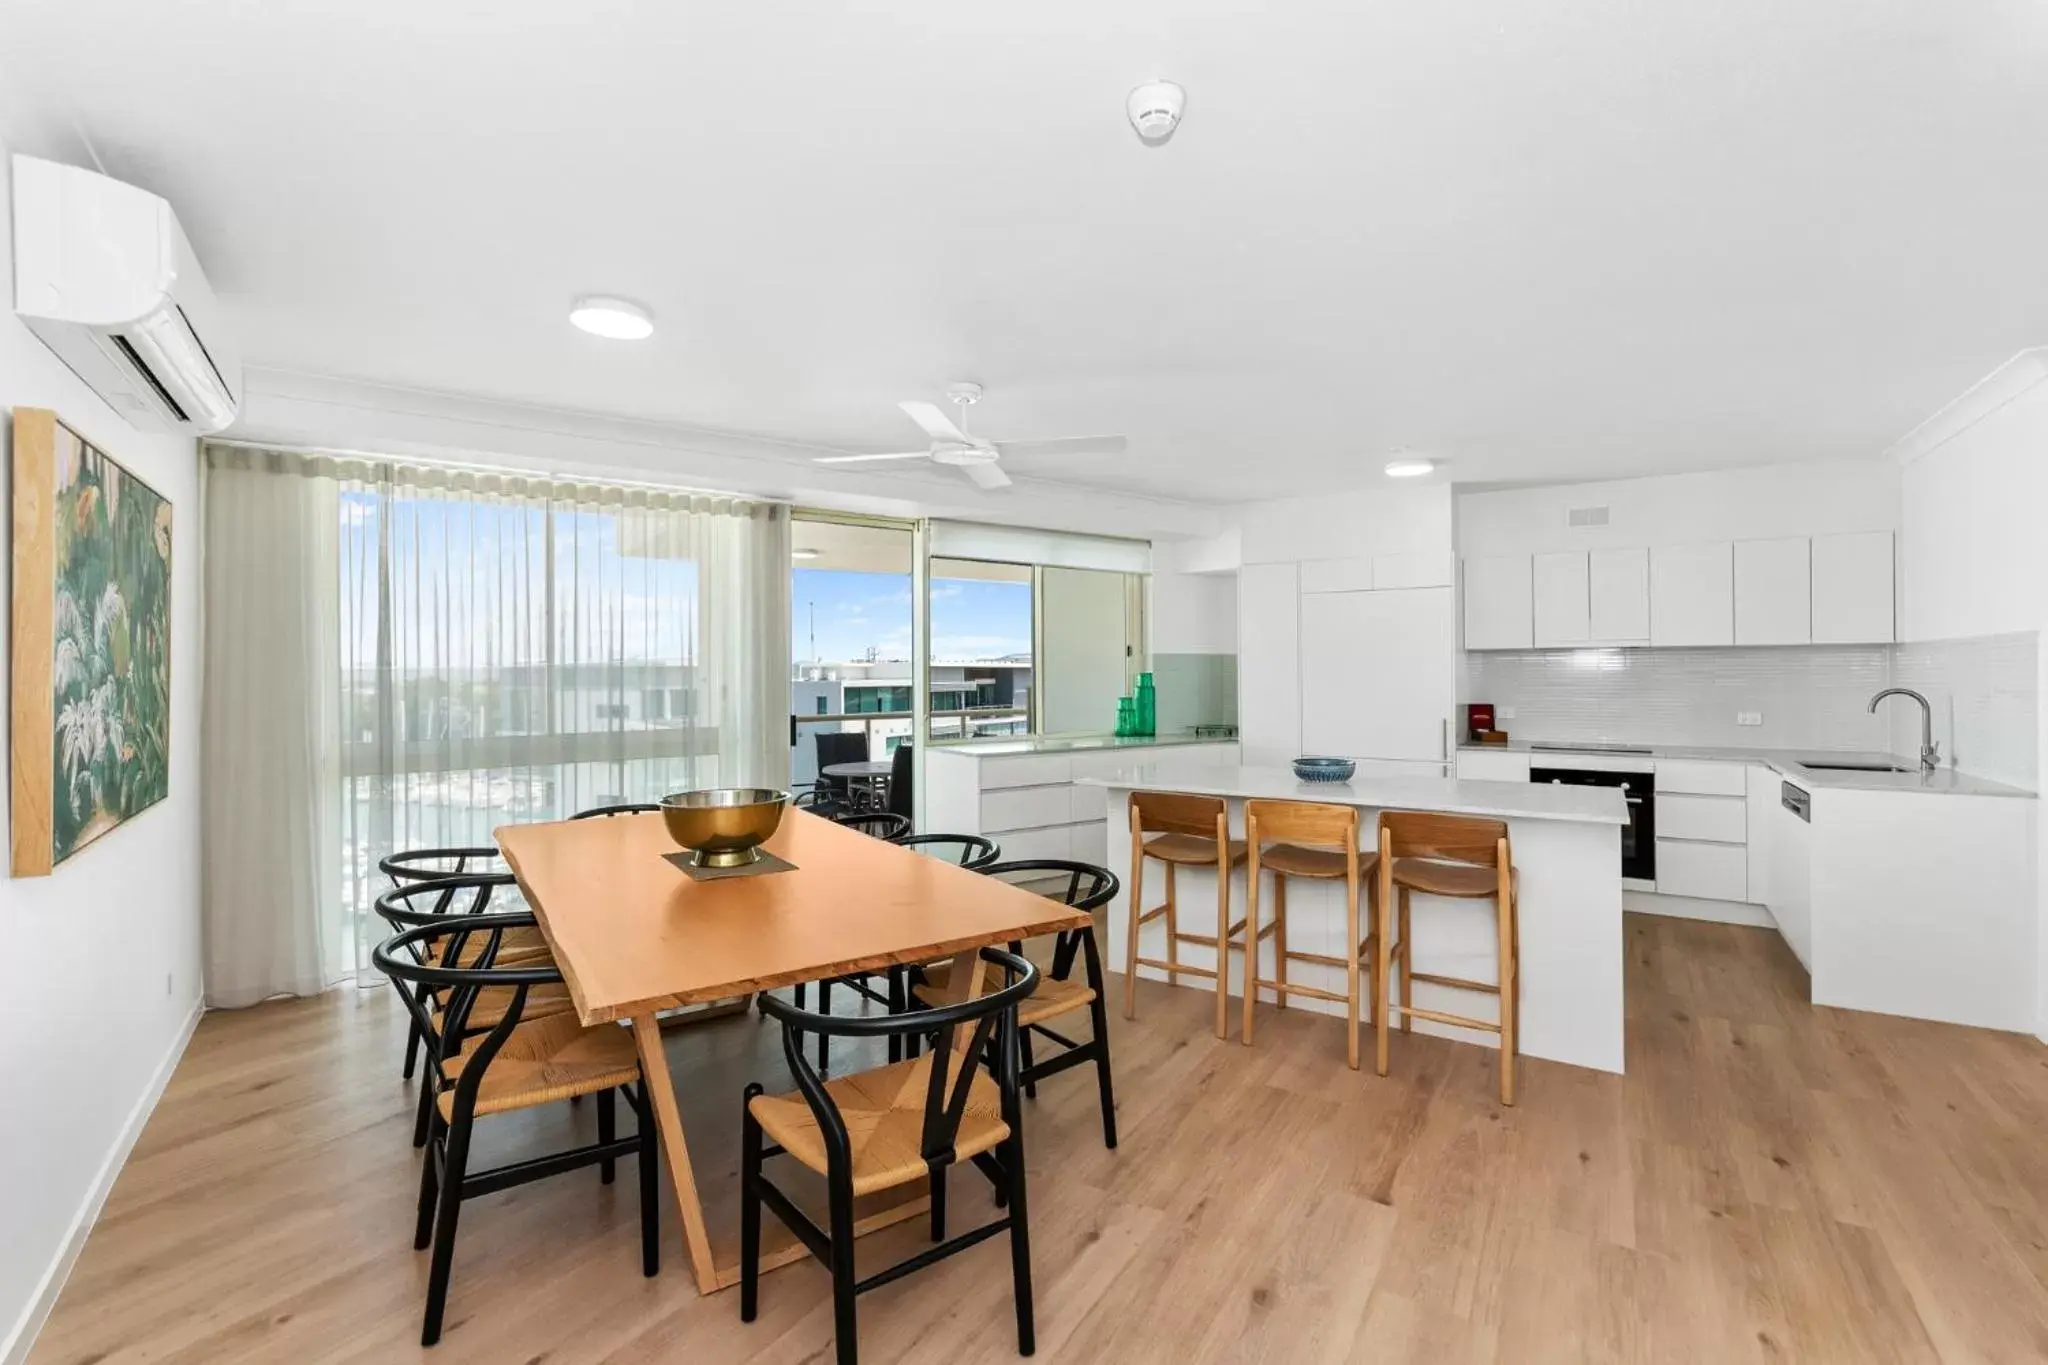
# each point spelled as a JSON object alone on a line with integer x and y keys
{"x": 1026, "y": 808}
{"x": 1088, "y": 803}
{"x": 1091, "y": 843}
{"x": 1702, "y": 779}
{"x": 1715, "y": 872}
{"x": 1719, "y": 819}
{"x": 1476, "y": 765}
{"x": 1057, "y": 842}
{"x": 1025, "y": 770}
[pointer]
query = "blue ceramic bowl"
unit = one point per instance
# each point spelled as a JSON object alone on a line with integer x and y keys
{"x": 1324, "y": 769}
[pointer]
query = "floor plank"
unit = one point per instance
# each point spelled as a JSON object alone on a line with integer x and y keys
{"x": 1770, "y": 1182}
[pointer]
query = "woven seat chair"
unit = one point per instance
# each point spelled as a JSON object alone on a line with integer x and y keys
{"x": 1085, "y": 887}
{"x": 907, "y": 1122}
{"x": 425, "y": 902}
{"x": 521, "y": 1062}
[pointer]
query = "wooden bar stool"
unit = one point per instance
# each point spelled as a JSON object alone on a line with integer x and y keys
{"x": 1462, "y": 857}
{"x": 1320, "y": 842}
{"x": 1181, "y": 831}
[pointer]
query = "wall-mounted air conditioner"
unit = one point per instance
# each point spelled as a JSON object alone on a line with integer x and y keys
{"x": 104, "y": 275}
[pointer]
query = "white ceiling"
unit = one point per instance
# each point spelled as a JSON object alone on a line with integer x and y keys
{"x": 1539, "y": 238}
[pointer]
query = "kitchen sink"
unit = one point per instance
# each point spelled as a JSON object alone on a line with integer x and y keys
{"x": 1856, "y": 768}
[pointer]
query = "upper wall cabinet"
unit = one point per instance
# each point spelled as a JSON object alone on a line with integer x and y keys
{"x": 1692, "y": 594}
{"x": 1852, "y": 589}
{"x": 1563, "y": 607}
{"x": 1618, "y": 593}
{"x": 1773, "y": 591}
{"x": 1376, "y": 573}
{"x": 1499, "y": 611}
{"x": 1269, "y": 662}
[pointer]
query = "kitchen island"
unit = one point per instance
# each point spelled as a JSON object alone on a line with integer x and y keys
{"x": 1566, "y": 843}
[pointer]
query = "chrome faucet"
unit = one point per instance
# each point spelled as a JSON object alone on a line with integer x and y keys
{"x": 1930, "y": 752}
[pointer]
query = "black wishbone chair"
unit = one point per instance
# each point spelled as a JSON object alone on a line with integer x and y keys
{"x": 428, "y": 901}
{"x": 1085, "y": 887}
{"x": 521, "y": 1062}
{"x": 894, "y": 829}
{"x": 970, "y": 851}
{"x": 890, "y": 1126}
{"x": 431, "y": 864}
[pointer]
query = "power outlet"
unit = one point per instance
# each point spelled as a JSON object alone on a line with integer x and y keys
{"x": 1749, "y": 718}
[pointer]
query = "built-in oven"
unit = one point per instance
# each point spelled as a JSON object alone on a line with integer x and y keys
{"x": 1639, "y": 835}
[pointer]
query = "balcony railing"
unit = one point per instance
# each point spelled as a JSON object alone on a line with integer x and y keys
{"x": 949, "y": 726}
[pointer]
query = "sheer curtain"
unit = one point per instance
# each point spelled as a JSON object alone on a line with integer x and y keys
{"x": 511, "y": 648}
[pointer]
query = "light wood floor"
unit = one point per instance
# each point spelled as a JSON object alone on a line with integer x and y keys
{"x": 1770, "y": 1182}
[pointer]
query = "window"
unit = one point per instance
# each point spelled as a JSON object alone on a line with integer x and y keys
{"x": 981, "y": 649}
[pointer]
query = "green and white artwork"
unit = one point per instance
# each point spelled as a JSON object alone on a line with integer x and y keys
{"x": 107, "y": 650}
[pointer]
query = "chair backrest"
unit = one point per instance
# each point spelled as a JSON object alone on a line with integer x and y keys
{"x": 1176, "y": 813}
{"x": 625, "y": 808}
{"x": 961, "y": 1033}
{"x": 431, "y": 864}
{"x": 970, "y": 851}
{"x": 901, "y": 780}
{"x": 820, "y": 801}
{"x": 1447, "y": 838}
{"x": 407, "y": 958}
{"x": 1081, "y": 885}
{"x": 838, "y": 746}
{"x": 1310, "y": 824}
{"x": 428, "y": 901}
{"x": 881, "y": 824}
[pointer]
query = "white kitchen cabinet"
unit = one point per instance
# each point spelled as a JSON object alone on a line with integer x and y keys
{"x": 1761, "y": 812}
{"x": 1705, "y": 871}
{"x": 1853, "y": 589}
{"x": 1377, "y": 674}
{"x": 1774, "y": 591}
{"x": 1499, "y": 609}
{"x": 1713, "y": 819}
{"x": 1618, "y": 596}
{"x": 1492, "y": 765}
{"x": 1692, "y": 594}
{"x": 1700, "y": 777}
{"x": 1563, "y": 606}
{"x": 1269, "y": 662}
{"x": 1336, "y": 575}
{"x": 1411, "y": 570}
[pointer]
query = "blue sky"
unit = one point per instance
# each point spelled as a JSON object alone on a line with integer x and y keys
{"x": 971, "y": 617}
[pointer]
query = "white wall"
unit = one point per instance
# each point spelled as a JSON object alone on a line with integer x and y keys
{"x": 1821, "y": 498}
{"x": 1393, "y": 520}
{"x": 101, "y": 974}
{"x": 1194, "y": 613}
{"x": 1973, "y": 555}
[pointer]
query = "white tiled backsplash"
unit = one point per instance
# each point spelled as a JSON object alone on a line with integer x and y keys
{"x": 1982, "y": 691}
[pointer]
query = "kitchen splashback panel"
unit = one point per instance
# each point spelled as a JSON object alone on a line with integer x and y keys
{"x": 1982, "y": 692}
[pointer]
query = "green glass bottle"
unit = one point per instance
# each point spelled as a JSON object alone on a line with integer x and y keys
{"x": 1126, "y": 717}
{"x": 1148, "y": 706}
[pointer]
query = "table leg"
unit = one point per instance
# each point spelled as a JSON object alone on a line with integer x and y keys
{"x": 668, "y": 1120}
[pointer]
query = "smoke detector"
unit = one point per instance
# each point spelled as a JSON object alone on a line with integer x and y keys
{"x": 1155, "y": 109}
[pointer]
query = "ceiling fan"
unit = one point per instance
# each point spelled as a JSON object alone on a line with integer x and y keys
{"x": 976, "y": 457}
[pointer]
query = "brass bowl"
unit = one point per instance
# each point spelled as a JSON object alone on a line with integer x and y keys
{"x": 723, "y": 826}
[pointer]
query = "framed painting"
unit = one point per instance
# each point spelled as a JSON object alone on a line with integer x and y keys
{"x": 91, "y": 705}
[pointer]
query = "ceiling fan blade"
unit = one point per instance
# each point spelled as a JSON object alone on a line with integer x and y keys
{"x": 986, "y": 475}
{"x": 864, "y": 459}
{"x": 1065, "y": 445}
{"x": 936, "y": 424}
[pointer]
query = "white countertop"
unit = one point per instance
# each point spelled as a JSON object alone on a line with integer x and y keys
{"x": 1792, "y": 763}
{"x": 1062, "y": 744}
{"x": 1499, "y": 800}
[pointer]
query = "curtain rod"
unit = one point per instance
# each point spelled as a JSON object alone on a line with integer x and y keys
{"x": 512, "y": 471}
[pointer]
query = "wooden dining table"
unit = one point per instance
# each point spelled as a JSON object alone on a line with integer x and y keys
{"x": 635, "y": 935}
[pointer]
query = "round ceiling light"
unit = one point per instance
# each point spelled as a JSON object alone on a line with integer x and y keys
{"x": 618, "y": 319}
{"x": 1410, "y": 467}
